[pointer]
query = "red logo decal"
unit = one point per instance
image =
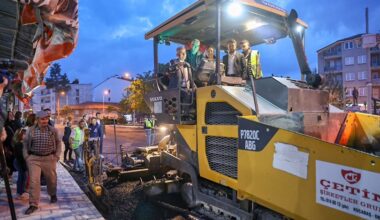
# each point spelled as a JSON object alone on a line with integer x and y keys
{"x": 351, "y": 176}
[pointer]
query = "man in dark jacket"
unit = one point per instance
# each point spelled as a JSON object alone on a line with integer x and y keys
{"x": 233, "y": 60}
{"x": 180, "y": 76}
{"x": 51, "y": 121}
{"x": 102, "y": 131}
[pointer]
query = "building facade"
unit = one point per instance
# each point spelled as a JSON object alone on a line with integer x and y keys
{"x": 109, "y": 110}
{"x": 353, "y": 62}
{"x": 46, "y": 98}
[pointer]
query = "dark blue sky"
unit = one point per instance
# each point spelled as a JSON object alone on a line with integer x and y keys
{"x": 111, "y": 36}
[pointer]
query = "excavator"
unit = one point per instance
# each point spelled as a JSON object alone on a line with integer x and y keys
{"x": 278, "y": 151}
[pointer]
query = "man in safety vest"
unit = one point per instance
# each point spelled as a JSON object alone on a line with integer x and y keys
{"x": 77, "y": 140}
{"x": 252, "y": 66}
{"x": 149, "y": 124}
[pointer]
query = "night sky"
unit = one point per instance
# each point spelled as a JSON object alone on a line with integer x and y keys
{"x": 111, "y": 37}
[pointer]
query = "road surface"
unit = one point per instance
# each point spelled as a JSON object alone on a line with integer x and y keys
{"x": 128, "y": 136}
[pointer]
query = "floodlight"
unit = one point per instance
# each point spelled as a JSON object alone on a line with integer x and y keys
{"x": 299, "y": 28}
{"x": 234, "y": 9}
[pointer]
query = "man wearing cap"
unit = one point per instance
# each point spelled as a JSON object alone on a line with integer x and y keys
{"x": 42, "y": 148}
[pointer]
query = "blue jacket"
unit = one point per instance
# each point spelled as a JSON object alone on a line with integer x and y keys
{"x": 95, "y": 130}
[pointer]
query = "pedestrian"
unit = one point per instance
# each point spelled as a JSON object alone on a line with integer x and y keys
{"x": 76, "y": 140}
{"x": 66, "y": 141}
{"x": 30, "y": 120}
{"x": 355, "y": 95}
{"x": 85, "y": 119}
{"x": 102, "y": 131}
{"x": 25, "y": 116}
{"x": 18, "y": 120}
{"x": 95, "y": 133}
{"x": 42, "y": 148}
{"x": 51, "y": 121}
{"x": 20, "y": 164}
{"x": 10, "y": 128}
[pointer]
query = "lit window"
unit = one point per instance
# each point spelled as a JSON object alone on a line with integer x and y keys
{"x": 362, "y": 59}
{"x": 349, "y": 60}
{"x": 362, "y": 75}
{"x": 350, "y": 76}
{"x": 363, "y": 91}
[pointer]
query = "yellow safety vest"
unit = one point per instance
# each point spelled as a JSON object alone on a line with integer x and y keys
{"x": 257, "y": 73}
{"x": 149, "y": 123}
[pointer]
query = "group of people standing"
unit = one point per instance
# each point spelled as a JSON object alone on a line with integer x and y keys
{"x": 184, "y": 73}
{"x": 73, "y": 138}
{"x": 32, "y": 147}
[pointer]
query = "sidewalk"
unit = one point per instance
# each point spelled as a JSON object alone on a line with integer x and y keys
{"x": 72, "y": 203}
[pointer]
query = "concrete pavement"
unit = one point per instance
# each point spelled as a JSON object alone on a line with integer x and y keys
{"x": 72, "y": 203}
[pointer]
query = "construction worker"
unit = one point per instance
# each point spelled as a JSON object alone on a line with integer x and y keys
{"x": 153, "y": 133}
{"x": 149, "y": 124}
{"x": 77, "y": 140}
{"x": 252, "y": 64}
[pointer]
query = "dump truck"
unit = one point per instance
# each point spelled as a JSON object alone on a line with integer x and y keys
{"x": 278, "y": 151}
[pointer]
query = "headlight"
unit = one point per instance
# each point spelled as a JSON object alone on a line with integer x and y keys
{"x": 163, "y": 129}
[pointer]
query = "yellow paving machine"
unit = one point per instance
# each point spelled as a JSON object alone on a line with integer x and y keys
{"x": 280, "y": 151}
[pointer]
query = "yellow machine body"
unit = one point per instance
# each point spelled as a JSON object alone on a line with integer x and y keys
{"x": 285, "y": 192}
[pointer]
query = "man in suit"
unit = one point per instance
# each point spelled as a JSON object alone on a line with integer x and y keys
{"x": 233, "y": 60}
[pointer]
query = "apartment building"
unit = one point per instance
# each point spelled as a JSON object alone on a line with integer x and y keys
{"x": 353, "y": 62}
{"x": 46, "y": 98}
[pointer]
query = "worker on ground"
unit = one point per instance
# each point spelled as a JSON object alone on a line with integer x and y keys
{"x": 76, "y": 140}
{"x": 194, "y": 56}
{"x": 148, "y": 125}
{"x": 233, "y": 60}
{"x": 153, "y": 133}
{"x": 355, "y": 95}
{"x": 42, "y": 149}
{"x": 252, "y": 66}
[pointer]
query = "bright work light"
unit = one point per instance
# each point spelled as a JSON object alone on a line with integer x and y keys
{"x": 234, "y": 9}
{"x": 299, "y": 28}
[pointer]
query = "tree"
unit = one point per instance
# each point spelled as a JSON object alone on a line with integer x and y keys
{"x": 134, "y": 100}
{"x": 337, "y": 94}
{"x": 75, "y": 81}
{"x": 66, "y": 111}
{"x": 56, "y": 81}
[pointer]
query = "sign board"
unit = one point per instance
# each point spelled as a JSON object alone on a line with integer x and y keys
{"x": 347, "y": 189}
{"x": 254, "y": 136}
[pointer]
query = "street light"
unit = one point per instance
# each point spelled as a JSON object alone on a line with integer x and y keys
{"x": 105, "y": 93}
{"x": 127, "y": 75}
{"x": 62, "y": 93}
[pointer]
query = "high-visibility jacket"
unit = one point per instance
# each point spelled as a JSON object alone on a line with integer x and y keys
{"x": 78, "y": 137}
{"x": 149, "y": 124}
{"x": 254, "y": 65}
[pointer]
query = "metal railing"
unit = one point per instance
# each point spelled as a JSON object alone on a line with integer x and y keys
{"x": 374, "y": 49}
{"x": 332, "y": 53}
{"x": 335, "y": 68}
{"x": 375, "y": 64}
